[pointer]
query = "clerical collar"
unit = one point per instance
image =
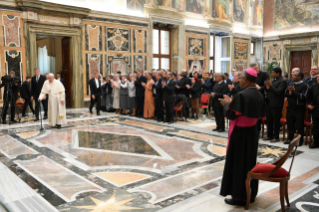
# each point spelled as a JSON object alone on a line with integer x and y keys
{"x": 299, "y": 82}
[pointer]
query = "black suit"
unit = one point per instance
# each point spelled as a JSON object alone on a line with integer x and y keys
{"x": 140, "y": 94}
{"x": 159, "y": 100}
{"x": 220, "y": 90}
{"x": 12, "y": 99}
{"x": 36, "y": 88}
{"x": 96, "y": 90}
{"x": 26, "y": 95}
{"x": 313, "y": 99}
{"x": 62, "y": 81}
{"x": 168, "y": 98}
{"x": 275, "y": 96}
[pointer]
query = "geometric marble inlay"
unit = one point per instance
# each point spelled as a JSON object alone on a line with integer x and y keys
{"x": 28, "y": 134}
{"x": 145, "y": 125}
{"x": 115, "y": 142}
{"x": 221, "y": 151}
{"x": 57, "y": 178}
{"x": 200, "y": 136}
{"x": 121, "y": 178}
{"x": 12, "y": 148}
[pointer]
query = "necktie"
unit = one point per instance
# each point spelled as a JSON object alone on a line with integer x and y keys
{"x": 37, "y": 79}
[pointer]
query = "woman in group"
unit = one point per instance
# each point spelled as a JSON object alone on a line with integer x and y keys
{"x": 124, "y": 94}
{"x": 116, "y": 93}
{"x": 194, "y": 96}
{"x": 132, "y": 95}
{"x": 149, "y": 104}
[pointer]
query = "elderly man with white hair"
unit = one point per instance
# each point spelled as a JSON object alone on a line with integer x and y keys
{"x": 56, "y": 92}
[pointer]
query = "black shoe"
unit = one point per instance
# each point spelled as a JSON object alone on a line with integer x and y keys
{"x": 91, "y": 111}
{"x": 215, "y": 130}
{"x": 37, "y": 119}
{"x": 234, "y": 202}
{"x": 23, "y": 116}
{"x": 13, "y": 121}
{"x": 170, "y": 122}
{"x": 313, "y": 146}
{"x": 221, "y": 130}
{"x": 45, "y": 118}
{"x": 4, "y": 122}
{"x": 98, "y": 114}
{"x": 58, "y": 126}
{"x": 287, "y": 142}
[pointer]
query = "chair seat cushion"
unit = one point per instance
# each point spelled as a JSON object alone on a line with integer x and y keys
{"x": 176, "y": 108}
{"x": 203, "y": 106}
{"x": 283, "y": 120}
{"x": 264, "y": 118}
{"x": 265, "y": 167}
{"x": 307, "y": 123}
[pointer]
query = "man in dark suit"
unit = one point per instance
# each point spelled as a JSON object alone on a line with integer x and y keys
{"x": 10, "y": 96}
{"x": 313, "y": 106}
{"x": 37, "y": 82}
{"x": 159, "y": 97}
{"x": 220, "y": 89}
{"x": 182, "y": 89}
{"x": 140, "y": 92}
{"x": 226, "y": 79}
{"x": 96, "y": 93}
{"x": 26, "y": 94}
{"x": 275, "y": 90}
{"x": 58, "y": 77}
{"x": 168, "y": 97}
{"x": 234, "y": 88}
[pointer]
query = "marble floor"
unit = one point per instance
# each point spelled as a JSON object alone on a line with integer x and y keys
{"x": 112, "y": 163}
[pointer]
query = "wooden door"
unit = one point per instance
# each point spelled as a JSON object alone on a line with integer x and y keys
{"x": 302, "y": 60}
{"x": 66, "y": 70}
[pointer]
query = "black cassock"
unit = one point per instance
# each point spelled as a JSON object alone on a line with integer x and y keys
{"x": 245, "y": 109}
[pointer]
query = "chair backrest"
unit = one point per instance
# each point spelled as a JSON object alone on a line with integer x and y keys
{"x": 306, "y": 114}
{"x": 284, "y": 110}
{"x": 204, "y": 99}
{"x": 292, "y": 146}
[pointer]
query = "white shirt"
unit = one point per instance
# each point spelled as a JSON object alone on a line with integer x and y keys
{"x": 97, "y": 82}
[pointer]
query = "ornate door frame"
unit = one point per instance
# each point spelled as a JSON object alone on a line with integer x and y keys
{"x": 33, "y": 30}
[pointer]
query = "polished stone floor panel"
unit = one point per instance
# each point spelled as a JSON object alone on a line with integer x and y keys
{"x": 12, "y": 147}
{"x": 65, "y": 182}
{"x": 121, "y": 178}
{"x": 166, "y": 188}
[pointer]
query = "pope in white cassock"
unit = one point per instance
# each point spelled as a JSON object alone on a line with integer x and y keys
{"x": 56, "y": 91}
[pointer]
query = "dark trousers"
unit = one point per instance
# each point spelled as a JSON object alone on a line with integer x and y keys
{"x": 37, "y": 107}
{"x": 5, "y": 109}
{"x": 140, "y": 105}
{"x": 96, "y": 100}
{"x": 295, "y": 118}
{"x": 273, "y": 121}
{"x": 315, "y": 130}
{"x": 27, "y": 102}
{"x": 219, "y": 118}
{"x": 159, "y": 109}
{"x": 169, "y": 108}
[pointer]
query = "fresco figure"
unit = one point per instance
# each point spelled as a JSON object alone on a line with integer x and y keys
{"x": 220, "y": 10}
{"x": 194, "y": 6}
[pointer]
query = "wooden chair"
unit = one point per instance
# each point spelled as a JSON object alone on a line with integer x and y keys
{"x": 204, "y": 103}
{"x": 308, "y": 126}
{"x": 177, "y": 109}
{"x": 283, "y": 120}
{"x": 274, "y": 173}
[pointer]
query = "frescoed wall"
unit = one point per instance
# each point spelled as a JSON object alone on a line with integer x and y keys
{"x": 120, "y": 48}
{"x": 12, "y": 45}
{"x": 196, "y": 56}
{"x": 273, "y": 52}
{"x": 241, "y": 54}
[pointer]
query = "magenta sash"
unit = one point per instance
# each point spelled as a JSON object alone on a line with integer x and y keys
{"x": 241, "y": 121}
